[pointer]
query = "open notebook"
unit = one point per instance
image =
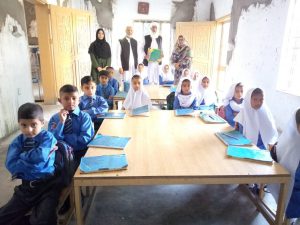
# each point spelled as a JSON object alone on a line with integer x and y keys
{"x": 209, "y": 117}
{"x": 105, "y": 141}
{"x": 248, "y": 153}
{"x": 233, "y": 138}
{"x": 184, "y": 112}
{"x": 111, "y": 115}
{"x": 103, "y": 163}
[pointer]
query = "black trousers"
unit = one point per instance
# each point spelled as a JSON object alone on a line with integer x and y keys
{"x": 41, "y": 198}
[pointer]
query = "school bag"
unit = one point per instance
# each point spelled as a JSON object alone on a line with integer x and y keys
{"x": 170, "y": 101}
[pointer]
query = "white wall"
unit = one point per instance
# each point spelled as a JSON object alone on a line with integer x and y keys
{"x": 222, "y": 8}
{"x": 256, "y": 56}
{"x": 202, "y": 9}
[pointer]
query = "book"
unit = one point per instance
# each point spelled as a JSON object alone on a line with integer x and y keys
{"x": 121, "y": 94}
{"x": 167, "y": 85}
{"x": 211, "y": 118}
{"x": 233, "y": 138}
{"x": 111, "y": 115}
{"x": 105, "y": 141}
{"x": 207, "y": 107}
{"x": 248, "y": 153}
{"x": 103, "y": 163}
{"x": 140, "y": 110}
{"x": 184, "y": 112}
{"x": 154, "y": 54}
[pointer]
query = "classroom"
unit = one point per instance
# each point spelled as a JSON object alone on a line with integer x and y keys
{"x": 153, "y": 112}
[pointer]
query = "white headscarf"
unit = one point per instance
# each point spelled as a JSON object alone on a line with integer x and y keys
{"x": 257, "y": 121}
{"x": 156, "y": 34}
{"x": 208, "y": 94}
{"x": 288, "y": 153}
{"x": 167, "y": 76}
{"x": 135, "y": 99}
{"x": 185, "y": 100}
{"x": 229, "y": 99}
{"x": 178, "y": 89}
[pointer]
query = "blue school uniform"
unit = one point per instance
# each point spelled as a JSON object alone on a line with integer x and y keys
{"x": 259, "y": 143}
{"x": 97, "y": 106}
{"x": 293, "y": 207}
{"x": 161, "y": 82}
{"x": 32, "y": 162}
{"x": 176, "y": 104}
{"x": 82, "y": 130}
{"x": 115, "y": 84}
{"x": 229, "y": 113}
{"x": 105, "y": 91}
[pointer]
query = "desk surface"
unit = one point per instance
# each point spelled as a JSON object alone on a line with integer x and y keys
{"x": 165, "y": 146}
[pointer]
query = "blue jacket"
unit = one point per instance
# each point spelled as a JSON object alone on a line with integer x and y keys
{"x": 114, "y": 83}
{"x": 82, "y": 126}
{"x": 293, "y": 207}
{"x": 229, "y": 114}
{"x": 36, "y": 163}
{"x": 99, "y": 106}
{"x": 106, "y": 92}
{"x": 176, "y": 104}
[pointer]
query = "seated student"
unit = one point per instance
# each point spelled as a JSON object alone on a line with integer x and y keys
{"x": 71, "y": 125}
{"x": 104, "y": 89}
{"x": 186, "y": 73}
{"x": 142, "y": 73}
{"x": 206, "y": 96}
{"x": 31, "y": 158}
{"x": 166, "y": 76}
{"x": 255, "y": 120}
{"x": 185, "y": 98}
{"x": 92, "y": 104}
{"x": 137, "y": 95}
{"x": 233, "y": 102}
{"x": 287, "y": 153}
{"x": 112, "y": 81}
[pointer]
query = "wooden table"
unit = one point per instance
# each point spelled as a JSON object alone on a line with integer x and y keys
{"x": 156, "y": 93}
{"x": 165, "y": 149}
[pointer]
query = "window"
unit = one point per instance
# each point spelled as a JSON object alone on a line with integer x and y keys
{"x": 289, "y": 70}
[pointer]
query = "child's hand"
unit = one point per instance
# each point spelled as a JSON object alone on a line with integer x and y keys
{"x": 99, "y": 68}
{"x": 121, "y": 71}
{"x": 63, "y": 115}
{"x": 236, "y": 126}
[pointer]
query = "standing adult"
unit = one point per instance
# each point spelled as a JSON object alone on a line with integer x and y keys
{"x": 100, "y": 54}
{"x": 153, "y": 40}
{"x": 181, "y": 57}
{"x": 127, "y": 55}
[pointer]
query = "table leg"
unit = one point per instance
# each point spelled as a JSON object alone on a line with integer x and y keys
{"x": 78, "y": 213}
{"x": 114, "y": 105}
{"x": 281, "y": 204}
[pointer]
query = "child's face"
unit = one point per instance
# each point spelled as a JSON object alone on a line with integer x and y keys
{"x": 186, "y": 73}
{"x": 69, "y": 101}
{"x": 257, "y": 101}
{"x": 103, "y": 80}
{"x": 30, "y": 127}
{"x": 89, "y": 89}
{"x": 185, "y": 88}
{"x": 166, "y": 69}
{"x": 205, "y": 83}
{"x": 238, "y": 92}
{"x": 110, "y": 73}
{"x": 140, "y": 68}
{"x": 136, "y": 84}
{"x": 196, "y": 75}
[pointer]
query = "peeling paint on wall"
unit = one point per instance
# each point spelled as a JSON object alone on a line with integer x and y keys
{"x": 182, "y": 11}
{"x": 104, "y": 13}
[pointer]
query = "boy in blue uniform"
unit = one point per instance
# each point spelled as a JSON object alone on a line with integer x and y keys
{"x": 92, "y": 104}
{"x": 31, "y": 157}
{"x": 104, "y": 89}
{"x": 111, "y": 80}
{"x": 70, "y": 124}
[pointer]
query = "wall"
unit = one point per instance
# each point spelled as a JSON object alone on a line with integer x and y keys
{"x": 203, "y": 7}
{"x": 256, "y": 56}
{"x": 15, "y": 75}
{"x": 222, "y": 8}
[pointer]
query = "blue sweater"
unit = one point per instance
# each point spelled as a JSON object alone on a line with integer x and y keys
{"x": 106, "y": 92}
{"x": 176, "y": 104}
{"x": 99, "y": 105}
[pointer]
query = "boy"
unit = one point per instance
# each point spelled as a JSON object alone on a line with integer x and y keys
{"x": 92, "y": 104}
{"x": 112, "y": 81}
{"x": 104, "y": 89}
{"x": 30, "y": 157}
{"x": 70, "y": 124}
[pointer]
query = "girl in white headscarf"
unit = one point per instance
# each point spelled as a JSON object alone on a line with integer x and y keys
{"x": 206, "y": 96}
{"x": 287, "y": 153}
{"x": 233, "y": 102}
{"x": 185, "y": 98}
{"x": 137, "y": 96}
{"x": 255, "y": 120}
{"x": 166, "y": 76}
{"x": 186, "y": 74}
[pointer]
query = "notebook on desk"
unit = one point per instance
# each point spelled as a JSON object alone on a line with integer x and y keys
{"x": 140, "y": 110}
{"x": 103, "y": 163}
{"x": 248, "y": 153}
{"x": 105, "y": 141}
{"x": 233, "y": 137}
{"x": 111, "y": 115}
{"x": 121, "y": 94}
{"x": 184, "y": 112}
{"x": 209, "y": 117}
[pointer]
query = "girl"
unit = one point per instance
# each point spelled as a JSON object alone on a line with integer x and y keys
{"x": 287, "y": 153}
{"x": 137, "y": 95}
{"x": 186, "y": 74}
{"x": 255, "y": 120}
{"x": 185, "y": 98}
{"x": 206, "y": 96}
{"x": 233, "y": 102}
{"x": 166, "y": 76}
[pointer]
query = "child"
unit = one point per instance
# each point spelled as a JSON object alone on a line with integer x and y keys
{"x": 31, "y": 158}
{"x": 287, "y": 153}
{"x": 185, "y": 98}
{"x": 112, "y": 81}
{"x": 104, "y": 89}
{"x": 142, "y": 73}
{"x": 70, "y": 124}
{"x": 92, "y": 104}
{"x": 255, "y": 120}
{"x": 137, "y": 95}
{"x": 233, "y": 102}
{"x": 206, "y": 96}
{"x": 186, "y": 73}
{"x": 166, "y": 76}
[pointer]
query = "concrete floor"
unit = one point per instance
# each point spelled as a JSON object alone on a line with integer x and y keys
{"x": 157, "y": 205}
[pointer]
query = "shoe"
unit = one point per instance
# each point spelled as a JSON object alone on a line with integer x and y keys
{"x": 254, "y": 189}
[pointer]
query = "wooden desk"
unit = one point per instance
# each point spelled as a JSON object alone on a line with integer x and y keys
{"x": 165, "y": 149}
{"x": 156, "y": 93}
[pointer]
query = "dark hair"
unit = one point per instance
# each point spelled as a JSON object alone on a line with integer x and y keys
{"x": 103, "y": 73}
{"x": 180, "y": 36}
{"x": 205, "y": 77}
{"x": 30, "y": 111}
{"x": 68, "y": 88}
{"x": 240, "y": 84}
{"x": 100, "y": 29}
{"x": 257, "y": 91}
{"x": 86, "y": 80}
{"x": 136, "y": 77}
{"x": 109, "y": 68}
{"x": 186, "y": 80}
{"x": 298, "y": 117}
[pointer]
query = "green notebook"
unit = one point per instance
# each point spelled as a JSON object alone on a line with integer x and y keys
{"x": 248, "y": 153}
{"x": 154, "y": 54}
